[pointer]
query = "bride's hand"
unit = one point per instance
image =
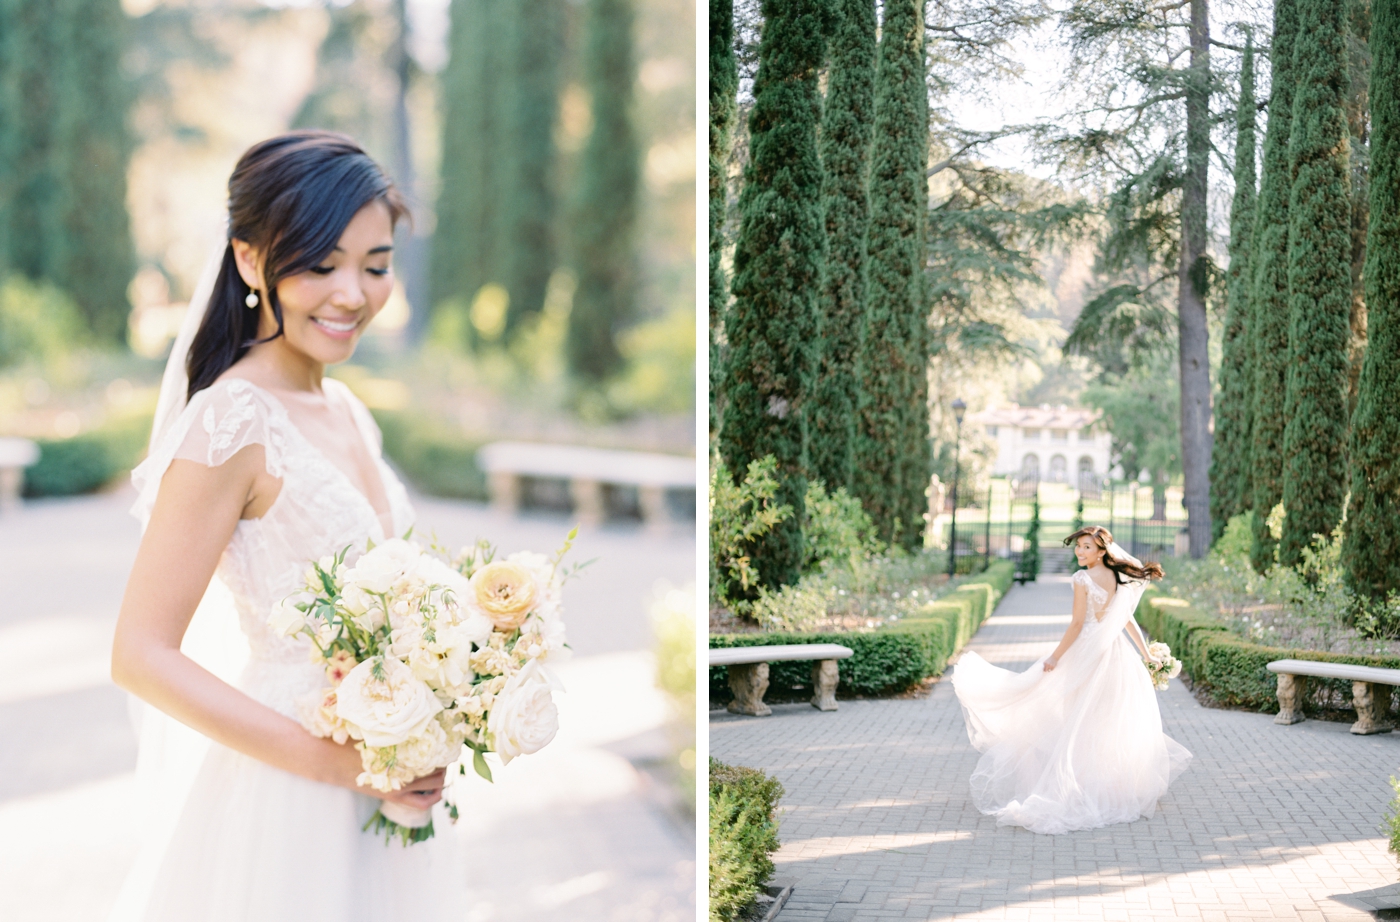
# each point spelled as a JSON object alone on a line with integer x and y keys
{"x": 1049, "y": 663}
{"x": 345, "y": 768}
{"x": 420, "y": 794}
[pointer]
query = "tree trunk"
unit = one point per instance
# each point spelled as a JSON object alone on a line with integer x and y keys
{"x": 1193, "y": 275}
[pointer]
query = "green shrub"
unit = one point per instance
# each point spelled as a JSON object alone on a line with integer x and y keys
{"x": 740, "y": 514}
{"x": 743, "y": 836}
{"x": 1232, "y": 671}
{"x": 38, "y": 323}
{"x": 81, "y": 464}
{"x": 1391, "y": 824}
{"x": 887, "y": 660}
{"x": 837, "y": 531}
{"x": 1030, "y": 557}
{"x": 434, "y": 457}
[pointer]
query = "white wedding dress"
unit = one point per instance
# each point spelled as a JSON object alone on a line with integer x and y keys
{"x": 1080, "y": 746}
{"x": 227, "y": 838}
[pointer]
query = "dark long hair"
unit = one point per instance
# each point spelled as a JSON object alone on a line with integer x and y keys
{"x": 1121, "y": 568}
{"x": 290, "y": 197}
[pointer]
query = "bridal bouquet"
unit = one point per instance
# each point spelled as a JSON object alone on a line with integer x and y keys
{"x": 1162, "y": 666}
{"x": 427, "y": 657}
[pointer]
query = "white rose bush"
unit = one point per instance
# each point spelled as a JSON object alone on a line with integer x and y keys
{"x": 431, "y": 661}
{"x": 1162, "y": 667}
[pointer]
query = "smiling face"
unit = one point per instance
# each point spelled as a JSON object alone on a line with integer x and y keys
{"x": 1087, "y": 551}
{"x": 326, "y": 308}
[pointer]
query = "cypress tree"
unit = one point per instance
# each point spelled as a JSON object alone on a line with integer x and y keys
{"x": 1371, "y": 547}
{"x": 845, "y": 150}
{"x": 1030, "y": 557}
{"x": 772, "y": 322}
{"x": 724, "y": 85}
{"x": 467, "y": 240}
{"x": 1269, "y": 310}
{"x": 604, "y": 221}
{"x": 9, "y": 121}
{"x": 1319, "y": 281}
{"x": 531, "y": 254}
{"x": 1229, "y": 469}
{"x": 100, "y": 259}
{"x": 892, "y": 458}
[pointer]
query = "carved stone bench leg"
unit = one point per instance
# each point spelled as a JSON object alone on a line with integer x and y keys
{"x": 1370, "y": 717}
{"x": 587, "y": 496}
{"x": 824, "y": 678}
{"x": 505, "y": 492}
{"x": 1290, "y": 698}
{"x": 748, "y": 682}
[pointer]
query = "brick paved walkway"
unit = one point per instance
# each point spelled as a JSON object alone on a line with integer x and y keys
{"x": 1268, "y": 823}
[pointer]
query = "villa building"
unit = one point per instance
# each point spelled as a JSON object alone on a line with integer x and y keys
{"x": 1055, "y": 444}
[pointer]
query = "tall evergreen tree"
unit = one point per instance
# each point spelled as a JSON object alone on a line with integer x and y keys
{"x": 772, "y": 323}
{"x": 724, "y": 85}
{"x": 536, "y": 38}
{"x": 604, "y": 221}
{"x": 847, "y": 118}
{"x": 1269, "y": 310}
{"x": 10, "y": 117}
{"x": 1319, "y": 280}
{"x": 1359, "y": 121}
{"x": 100, "y": 258}
{"x": 1229, "y": 466}
{"x": 1371, "y": 548}
{"x": 892, "y": 457}
{"x": 468, "y": 239}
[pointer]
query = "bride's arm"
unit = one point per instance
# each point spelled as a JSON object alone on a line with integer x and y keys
{"x": 194, "y": 517}
{"x": 1076, "y": 624}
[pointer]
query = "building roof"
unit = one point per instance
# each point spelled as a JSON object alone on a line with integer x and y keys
{"x": 1042, "y": 417}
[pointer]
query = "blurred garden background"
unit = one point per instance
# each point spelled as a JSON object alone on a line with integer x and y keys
{"x": 546, "y": 286}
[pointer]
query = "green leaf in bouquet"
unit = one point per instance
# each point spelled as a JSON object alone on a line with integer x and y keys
{"x": 479, "y": 763}
{"x": 407, "y": 835}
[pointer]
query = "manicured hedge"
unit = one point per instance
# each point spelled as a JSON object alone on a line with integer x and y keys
{"x": 87, "y": 461}
{"x": 886, "y": 660}
{"x": 1230, "y": 669}
{"x": 743, "y": 836}
{"x": 433, "y": 455}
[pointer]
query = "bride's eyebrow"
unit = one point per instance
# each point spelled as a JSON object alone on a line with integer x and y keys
{"x": 384, "y": 249}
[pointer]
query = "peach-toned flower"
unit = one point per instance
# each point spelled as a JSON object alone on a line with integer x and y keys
{"x": 505, "y": 592}
{"x": 338, "y": 666}
{"x": 317, "y": 714}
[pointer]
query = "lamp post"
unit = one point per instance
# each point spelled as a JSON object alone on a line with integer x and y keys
{"x": 958, "y": 409}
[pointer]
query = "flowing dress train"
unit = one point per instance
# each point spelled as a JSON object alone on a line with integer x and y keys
{"x": 1080, "y": 746}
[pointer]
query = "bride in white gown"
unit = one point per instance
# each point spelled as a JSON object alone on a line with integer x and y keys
{"x": 259, "y": 465}
{"x": 1075, "y": 741}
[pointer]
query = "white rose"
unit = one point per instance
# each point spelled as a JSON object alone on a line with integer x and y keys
{"x": 286, "y": 619}
{"x": 378, "y": 569}
{"x": 523, "y": 717}
{"x": 426, "y": 752}
{"x": 385, "y": 713}
{"x": 432, "y": 570}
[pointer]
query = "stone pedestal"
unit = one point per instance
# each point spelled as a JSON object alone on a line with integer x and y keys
{"x": 588, "y": 501}
{"x": 655, "y": 513}
{"x": 505, "y": 492}
{"x": 1370, "y": 715}
{"x": 748, "y": 682}
{"x": 824, "y": 679}
{"x": 11, "y": 480}
{"x": 1290, "y": 698}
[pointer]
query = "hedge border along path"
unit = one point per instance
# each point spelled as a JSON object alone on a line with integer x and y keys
{"x": 888, "y": 659}
{"x": 1231, "y": 670}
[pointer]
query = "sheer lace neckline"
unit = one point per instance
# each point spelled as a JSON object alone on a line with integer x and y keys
{"x": 1099, "y": 594}
{"x": 382, "y": 516}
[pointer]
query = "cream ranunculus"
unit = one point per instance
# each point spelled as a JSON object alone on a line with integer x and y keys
{"x": 385, "y": 713}
{"x": 505, "y": 592}
{"x": 523, "y": 717}
{"x": 286, "y": 619}
{"x": 317, "y": 713}
{"x": 378, "y": 569}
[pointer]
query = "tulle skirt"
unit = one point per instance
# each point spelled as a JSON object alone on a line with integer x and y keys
{"x": 226, "y": 838}
{"x": 1076, "y": 748}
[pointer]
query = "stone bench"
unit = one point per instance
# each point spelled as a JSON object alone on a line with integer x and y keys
{"x": 1292, "y": 683}
{"x": 587, "y": 470}
{"x": 748, "y": 672}
{"x": 15, "y": 456}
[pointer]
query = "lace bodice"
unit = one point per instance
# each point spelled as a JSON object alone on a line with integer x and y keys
{"x": 318, "y": 510}
{"x": 1098, "y": 597}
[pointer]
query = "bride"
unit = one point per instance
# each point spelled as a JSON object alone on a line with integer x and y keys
{"x": 258, "y": 465}
{"x": 1075, "y": 741}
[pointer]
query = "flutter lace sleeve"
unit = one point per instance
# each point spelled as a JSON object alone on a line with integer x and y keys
{"x": 220, "y": 421}
{"x": 1082, "y": 578}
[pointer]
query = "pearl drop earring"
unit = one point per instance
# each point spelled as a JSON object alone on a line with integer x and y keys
{"x": 252, "y": 299}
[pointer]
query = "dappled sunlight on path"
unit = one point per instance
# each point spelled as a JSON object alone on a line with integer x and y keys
{"x": 1268, "y": 822}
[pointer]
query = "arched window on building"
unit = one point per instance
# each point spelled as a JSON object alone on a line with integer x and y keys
{"x": 1059, "y": 469}
{"x": 1030, "y": 466}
